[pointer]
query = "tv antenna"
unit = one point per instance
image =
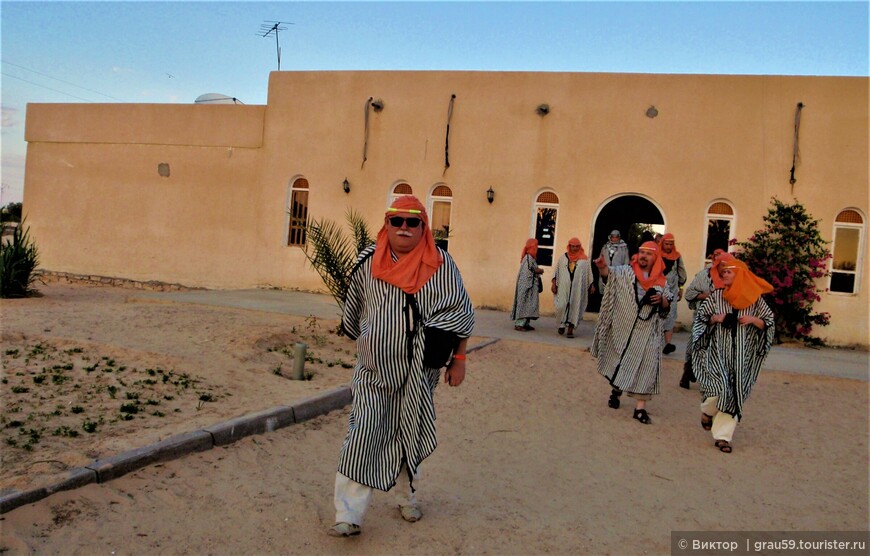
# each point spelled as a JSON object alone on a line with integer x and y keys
{"x": 269, "y": 27}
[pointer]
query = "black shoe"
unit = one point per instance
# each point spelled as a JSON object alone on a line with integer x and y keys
{"x": 688, "y": 376}
{"x": 614, "y": 399}
{"x": 669, "y": 348}
{"x": 642, "y": 416}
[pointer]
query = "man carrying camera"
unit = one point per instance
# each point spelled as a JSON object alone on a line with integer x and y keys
{"x": 628, "y": 336}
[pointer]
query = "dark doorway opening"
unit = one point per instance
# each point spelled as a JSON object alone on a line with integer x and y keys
{"x": 634, "y": 217}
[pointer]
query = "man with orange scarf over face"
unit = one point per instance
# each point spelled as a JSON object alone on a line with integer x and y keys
{"x": 571, "y": 283}
{"x": 705, "y": 281}
{"x": 404, "y": 294}
{"x": 628, "y": 336}
{"x": 732, "y": 335}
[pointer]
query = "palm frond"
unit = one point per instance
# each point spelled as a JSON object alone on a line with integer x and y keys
{"x": 332, "y": 254}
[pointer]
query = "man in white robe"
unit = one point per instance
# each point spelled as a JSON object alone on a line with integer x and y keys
{"x": 402, "y": 291}
{"x": 628, "y": 336}
{"x": 571, "y": 285}
{"x": 675, "y": 272}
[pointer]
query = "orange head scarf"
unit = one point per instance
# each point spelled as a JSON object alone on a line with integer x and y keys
{"x": 746, "y": 288}
{"x": 581, "y": 254}
{"x": 531, "y": 248}
{"x": 718, "y": 257}
{"x": 673, "y": 255}
{"x": 413, "y": 270}
{"x": 656, "y": 273}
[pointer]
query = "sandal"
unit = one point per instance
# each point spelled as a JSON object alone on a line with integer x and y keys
{"x": 528, "y": 327}
{"x": 706, "y": 422}
{"x": 520, "y": 328}
{"x": 561, "y": 330}
{"x": 642, "y": 416}
{"x": 724, "y": 446}
{"x": 614, "y": 399}
{"x": 570, "y": 332}
{"x": 344, "y": 529}
{"x": 410, "y": 513}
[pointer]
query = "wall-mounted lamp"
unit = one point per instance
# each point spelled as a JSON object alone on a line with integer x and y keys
{"x": 345, "y": 185}
{"x": 543, "y": 109}
{"x": 378, "y": 105}
{"x": 490, "y": 195}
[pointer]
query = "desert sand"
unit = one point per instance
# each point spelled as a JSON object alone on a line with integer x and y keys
{"x": 530, "y": 458}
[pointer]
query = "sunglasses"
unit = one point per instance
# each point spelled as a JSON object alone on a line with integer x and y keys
{"x": 397, "y": 221}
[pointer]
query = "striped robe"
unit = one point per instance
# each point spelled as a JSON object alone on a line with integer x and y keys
{"x": 676, "y": 278}
{"x": 701, "y": 283}
{"x": 628, "y": 336}
{"x": 392, "y": 420}
{"x": 526, "y": 296}
{"x": 573, "y": 292}
{"x": 727, "y": 363}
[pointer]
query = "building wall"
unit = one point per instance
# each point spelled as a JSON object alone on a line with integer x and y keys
{"x": 97, "y": 204}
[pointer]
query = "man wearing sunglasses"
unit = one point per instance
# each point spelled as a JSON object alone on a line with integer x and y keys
{"x": 404, "y": 292}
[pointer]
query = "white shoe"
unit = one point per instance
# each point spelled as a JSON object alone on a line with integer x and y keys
{"x": 344, "y": 529}
{"x": 410, "y": 513}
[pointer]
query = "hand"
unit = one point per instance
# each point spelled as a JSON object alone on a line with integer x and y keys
{"x": 754, "y": 321}
{"x": 455, "y": 373}
{"x": 655, "y": 299}
{"x": 717, "y": 319}
{"x": 554, "y": 288}
{"x": 600, "y": 263}
{"x": 679, "y": 294}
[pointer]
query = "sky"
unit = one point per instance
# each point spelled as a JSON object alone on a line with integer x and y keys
{"x": 159, "y": 52}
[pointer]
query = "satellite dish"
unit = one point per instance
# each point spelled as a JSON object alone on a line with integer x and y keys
{"x": 216, "y": 98}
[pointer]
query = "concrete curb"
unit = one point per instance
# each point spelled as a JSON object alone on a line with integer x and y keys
{"x": 221, "y": 434}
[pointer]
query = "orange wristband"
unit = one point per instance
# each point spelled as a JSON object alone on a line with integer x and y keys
{"x": 459, "y": 356}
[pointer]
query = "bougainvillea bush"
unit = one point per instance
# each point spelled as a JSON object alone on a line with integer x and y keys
{"x": 789, "y": 252}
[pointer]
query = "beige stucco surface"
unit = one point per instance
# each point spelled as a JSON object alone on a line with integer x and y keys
{"x": 97, "y": 204}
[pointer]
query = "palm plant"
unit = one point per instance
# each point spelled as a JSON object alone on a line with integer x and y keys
{"x": 18, "y": 259}
{"x": 333, "y": 254}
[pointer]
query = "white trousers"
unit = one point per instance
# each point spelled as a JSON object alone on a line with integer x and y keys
{"x": 723, "y": 424}
{"x": 352, "y": 499}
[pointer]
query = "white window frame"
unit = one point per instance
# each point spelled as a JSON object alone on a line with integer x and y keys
{"x": 392, "y": 195}
{"x": 441, "y": 199}
{"x": 859, "y": 260}
{"x": 732, "y": 223}
{"x": 533, "y": 228}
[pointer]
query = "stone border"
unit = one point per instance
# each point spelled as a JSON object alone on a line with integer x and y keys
{"x": 221, "y": 434}
{"x": 47, "y": 276}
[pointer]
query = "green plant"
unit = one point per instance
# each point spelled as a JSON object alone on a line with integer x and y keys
{"x": 18, "y": 261}
{"x": 789, "y": 252}
{"x": 333, "y": 255}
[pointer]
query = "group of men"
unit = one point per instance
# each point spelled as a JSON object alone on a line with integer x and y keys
{"x": 410, "y": 316}
{"x": 732, "y": 330}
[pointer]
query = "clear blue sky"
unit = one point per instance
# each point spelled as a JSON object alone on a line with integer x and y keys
{"x": 176, "y": 51}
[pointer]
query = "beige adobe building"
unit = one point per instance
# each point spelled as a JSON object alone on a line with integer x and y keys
{"x": 202, "y": 195}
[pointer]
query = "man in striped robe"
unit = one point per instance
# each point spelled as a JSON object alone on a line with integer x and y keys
{"x": 401, "y": 288}
{"x": 570, "y": 287}
{"x": 675, "y": 272}
{"x": 527, "y": 298}
{"x": 628, "y": 336}
{"x": 732, "y": 333}
{"x": 702, "y": 285}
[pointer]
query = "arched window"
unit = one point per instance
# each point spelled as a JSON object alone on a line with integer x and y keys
{"x": 297, "y": 210}
{"x": 400, "y": 190}
{"x": 847, "y": 248}
{"x": 440, "y": 203}
{"x": 720, "y": 226}
{"x": 544, "y": 214}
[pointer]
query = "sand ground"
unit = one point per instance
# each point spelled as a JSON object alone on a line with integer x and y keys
{"x": 530, "y": 458}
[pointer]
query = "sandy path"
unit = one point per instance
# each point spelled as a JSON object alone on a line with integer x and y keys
{"x": 530, "y": 461}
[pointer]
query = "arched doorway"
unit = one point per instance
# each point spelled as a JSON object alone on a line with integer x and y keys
{"x": 635, "y": 217}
